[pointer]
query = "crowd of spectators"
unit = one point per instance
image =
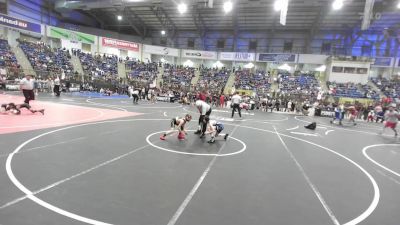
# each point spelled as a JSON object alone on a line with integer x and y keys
{"x": 177, "y": 77}
{"x": 305, "y": 84}
{"x": 391, "y": 88}
{"x": 99, "y": 66}
{"x": 348, "y": 89}
{"x": 259, "y": 81}
{"x": 45, "y": 59}
{"x": 213, "y": 80}
{"x": 142, "y": 72}
{"x": 369, "y": 92}
{"x": 352, "y": 90}
{"x": 7, "y": 57}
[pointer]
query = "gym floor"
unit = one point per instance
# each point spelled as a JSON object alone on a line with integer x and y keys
{"x": 100, "y": 161}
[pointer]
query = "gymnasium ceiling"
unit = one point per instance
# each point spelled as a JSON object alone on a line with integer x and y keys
{"x": 141, "y": 17}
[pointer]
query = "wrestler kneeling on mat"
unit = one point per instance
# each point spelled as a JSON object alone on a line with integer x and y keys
{"x": 178, "y": 124}
{"x": 214, "y": 128}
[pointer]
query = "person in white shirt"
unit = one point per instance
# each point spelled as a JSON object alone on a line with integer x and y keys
{"x": 236, "y": 100}
{"x": 130, "y": 90}
{"x": 57, "y": 84}
{"x": 135, "y": 95}
{"x": 391, "y": 119}
{"x": 205, "y": 111}
{"x": 27, "y": 85}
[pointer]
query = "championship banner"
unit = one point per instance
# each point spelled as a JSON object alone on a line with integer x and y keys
{"x": 159, "y": 50}
{"x": 237, "y": 56}
{"x": 113, "y": 43}
{"x": 60, "y": 33}
{"x": 19, "y": 24}
{"x": 382, "y": 62}
{"x": 271, "y": 57}
{"x": 199, "y": 54}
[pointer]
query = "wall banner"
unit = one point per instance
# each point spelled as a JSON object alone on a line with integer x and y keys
{"x": 19, "y": 24}
{"x": 271, "y": 57}
{"x": 60, "y": 33}
{"x": 113, "y": 43}
{"x": 237, "y": 56}
{"x": 382, "y": 62}
{"x": 194, "y": 54}
{"x": 159, "y": 50}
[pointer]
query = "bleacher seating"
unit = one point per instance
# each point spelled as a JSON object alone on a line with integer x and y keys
{"x": 349, "y": 90}
{"x": 214, "y": 80}
{"x": 44, "y": 59}
{"x": 369, "y": 92}
{"x": 391, "y": 88}
{"x": 258, "y": 81}
{"x": 300, "y": 84}
{"x": 7, "y": 57}
{"x": 140, "y": 71}
{"x": 176, "y": 77}
{"x": 99, "y": 66}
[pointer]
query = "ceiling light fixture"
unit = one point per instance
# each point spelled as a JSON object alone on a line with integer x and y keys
{"x": 285, "y": 67}
{"x": 337, "y": 4}
{"x": 188, "y": 63}
{"x": 182, "y": 8}
{"x": 119, "y": 17}
{"x": 278, "y": 5}
{"x": 398, "y": 5}
{"x": 217, "y": 64}
{"x": 228, "y": 6}
{"x": 163, "y": 32}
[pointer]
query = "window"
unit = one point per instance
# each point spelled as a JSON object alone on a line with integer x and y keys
{"x": 253, "y": 45}
{"x": 326, "y": 47}
{"x": 366, "y": 50}
{"x": 362, "y": 70}
{"x": 288, "y": 46}
{"x": 190, "y": 43}
{"x": 337, "y": 69}
{"x": 221, "y": 44}
{"x": 349, "y": 70}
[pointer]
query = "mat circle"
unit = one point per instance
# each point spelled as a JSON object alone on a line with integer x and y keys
{"x": 196, "y": 154}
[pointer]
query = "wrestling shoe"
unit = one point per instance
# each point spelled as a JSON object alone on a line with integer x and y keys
{"x": 226, "y": 136}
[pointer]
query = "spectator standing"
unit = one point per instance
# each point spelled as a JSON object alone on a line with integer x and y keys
{"x": 222, "y": 101}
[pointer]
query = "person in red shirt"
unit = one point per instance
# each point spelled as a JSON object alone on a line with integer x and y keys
{"x": 222, "y": 101}
{"x": 202, "y": 96}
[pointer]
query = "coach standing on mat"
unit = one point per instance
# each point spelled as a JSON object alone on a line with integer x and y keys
{"x": 236, "y": 99}
{"x": 27, "y": 85}
{"x": 204, "y": 110}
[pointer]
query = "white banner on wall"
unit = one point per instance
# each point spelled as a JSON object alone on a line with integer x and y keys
{"x": 237, "y": 56}
{"x": 159, "y": 50}
{"x": 313, "y": 59}
{"x": 195, "y": 54}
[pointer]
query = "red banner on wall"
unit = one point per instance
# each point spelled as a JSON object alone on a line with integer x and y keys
{"x": 132, "y": 46}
